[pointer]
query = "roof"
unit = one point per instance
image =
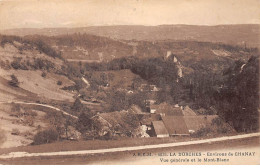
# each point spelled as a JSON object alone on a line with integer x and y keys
{"x": 167, "y": 109}
{"x": 175, "y": 125}
{"x": 159, "y": 128}
{"x": 199, "y": 121}
{"x": 187, "y": 111}
{"x": 135, "y": 109}
{"x": 150, "y": 119}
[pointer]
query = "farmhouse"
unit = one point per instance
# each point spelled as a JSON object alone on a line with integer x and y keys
{"x": 181, "y": 125}
{"x": 175, "y": 125}
{"x": 187, "y": 111}
{"x": 160, "y": 130}
{"x": 194, "y": 123}
{"x": 165, "y": 109}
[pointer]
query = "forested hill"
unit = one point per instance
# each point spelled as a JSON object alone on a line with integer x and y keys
{"x": 239, "y": 97}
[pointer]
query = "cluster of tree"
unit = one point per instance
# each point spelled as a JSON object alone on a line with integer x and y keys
{"x": 156, "y": 70}
{"x": 46, "y": 136}
{"x": 29, "y": 43}
{"x": 14, "y": 81}
{"x": 120, "y": 100}
{"x": 37, "y": 63}
{"x": 238, "y": 101}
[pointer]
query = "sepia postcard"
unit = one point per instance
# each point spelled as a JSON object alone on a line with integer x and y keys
{"x": 129, "y": 82}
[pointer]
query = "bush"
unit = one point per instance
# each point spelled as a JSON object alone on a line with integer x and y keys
{"x": 46, "y": 136}
{"x": 201, "y": 132}
{"x": 59, "y": 82}
{"x": 84, "y": 123}
{"x": 44, "y": 74}
{"x": 77, "y": 105}
{"x": 15, "y": 131}
{"x": 2, "y": 136}
{"x": 14, "y": 81}
{"x": 222, "y": 130}
{"x": 216, "y": 121}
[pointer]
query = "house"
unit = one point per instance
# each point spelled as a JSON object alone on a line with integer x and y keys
{"x": 187, "y": 111}
{"x": 175, "y": 125}
{"x": 159, "y": 129}
{"x": 153, "y": 108}
{"x": 147, "y": 121}
{"x": 149, "y": 88}
{"x": 194, "y": 123}
{"x": 165, "y": 109}
{"x": 150, "y": 101}
{"x": 181, "y": 125}
{"x": 153, "y": 88}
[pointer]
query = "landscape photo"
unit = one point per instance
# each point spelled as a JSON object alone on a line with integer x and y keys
{"x": 129, "y": 82}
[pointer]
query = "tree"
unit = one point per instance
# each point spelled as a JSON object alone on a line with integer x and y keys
{"x": 84, "y": 122}
{"x": 46, "y": 136}
{"x": 77, "y": 105}
{"x": 2, "y": 136}
{"x": 59, "y": 82}
{"x": 14, "y": 81}
{"x": 44, "y": 74}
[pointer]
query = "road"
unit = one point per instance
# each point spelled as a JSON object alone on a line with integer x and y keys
{"x": 136, "y": 148}
{"x": 43, "y": 105}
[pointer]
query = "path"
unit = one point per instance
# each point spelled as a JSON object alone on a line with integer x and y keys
{"x": 83, "y": 152}
{"x": 43, "y": 105}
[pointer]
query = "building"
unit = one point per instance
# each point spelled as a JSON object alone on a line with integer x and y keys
{"x": 181, "y": 125}
{"x": 165, "y": 109}
{"x": 194, "y": 123}
{"x": 187, "y": 111}
{"x": 159, "y": 129}
{"x": 153, "y": 108}
{"x": 175, "y": 125}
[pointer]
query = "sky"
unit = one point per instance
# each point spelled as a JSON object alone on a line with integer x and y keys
{"x": 83, "y": 13}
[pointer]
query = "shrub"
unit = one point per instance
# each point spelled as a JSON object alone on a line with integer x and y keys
{"x": 46, "y": 136}
{"x": 77, "y": 105}
{"x": 59, "y": 82}
{"x": 84, "y": 123}
{"x": 2, "y": 136}
{"x": 44, "y": 74}
{"x": 222, "y": 130}
{"x": 15, "y": 131}
{"x": 201, "y": 132}
{"x": 14, "y": 81}
{"x": 18, "y": 64}
{"x": 216, "y": 121}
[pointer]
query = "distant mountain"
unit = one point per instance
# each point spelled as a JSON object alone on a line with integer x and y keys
{"x": 246, "y": 35}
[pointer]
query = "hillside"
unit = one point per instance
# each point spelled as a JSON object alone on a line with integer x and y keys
{"x": 29, "y": 73}
{"x": 85, "y": 47}
{"x": 229, "y": 34}
{"x": 239, "y": 97}
{"x": 79, "y": 76}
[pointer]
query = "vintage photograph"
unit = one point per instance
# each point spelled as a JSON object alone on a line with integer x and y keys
{"x": 129, "y": 82}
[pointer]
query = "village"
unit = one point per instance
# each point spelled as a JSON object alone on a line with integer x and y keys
{"x": 158, "y": 120}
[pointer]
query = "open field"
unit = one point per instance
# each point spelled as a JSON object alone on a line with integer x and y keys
{"x": 33, "y": 82}
{"x": 19, "y": 131}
